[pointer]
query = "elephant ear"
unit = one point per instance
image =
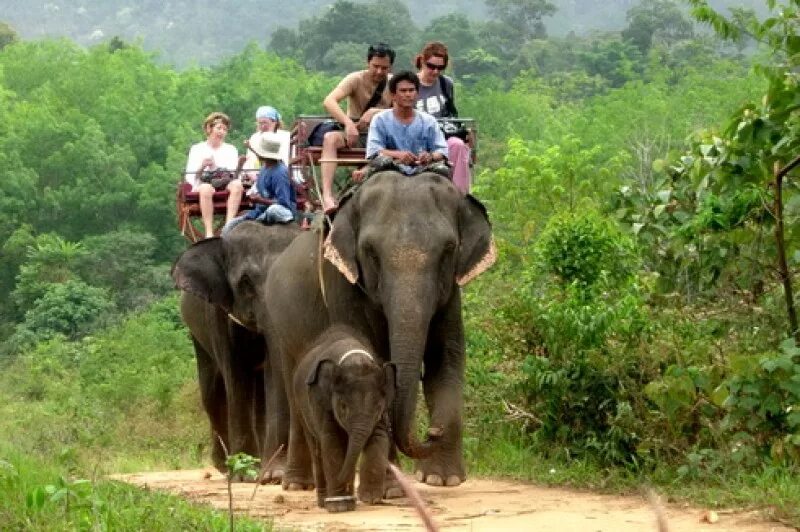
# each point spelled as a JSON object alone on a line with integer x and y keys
{"x": 320, "y": 381}
{"x": 477, "y": 251}
{"x": 200, "y": 270}
{"x": 340, "y": 244}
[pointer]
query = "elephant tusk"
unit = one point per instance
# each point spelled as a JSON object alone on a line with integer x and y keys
{"x": 434, "y": 433}
{"x": 236, "y": 320}
{"x": 355, "y": 352}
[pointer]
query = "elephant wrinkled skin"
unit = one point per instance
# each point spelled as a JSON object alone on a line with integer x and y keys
{"x": 222, "y": 282}
{"x": 397, "y": 252}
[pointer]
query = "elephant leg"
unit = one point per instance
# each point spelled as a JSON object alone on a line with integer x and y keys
{"x": 391, "y": 487}
{"x": 443, "y": 384}
{"x": 333, "y": 444}
{"x": 299, "y": 470}
{"x": 372, "y": 473}
{"x": 239, "y": 390}
{"x": 258, "y": 414}
{"x": 275, "y": 450}
{"x": 212, "y": 394}
{"x": 319, "y": 473}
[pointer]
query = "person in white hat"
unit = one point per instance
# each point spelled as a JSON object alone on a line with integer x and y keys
{"x": 274, "y": 189}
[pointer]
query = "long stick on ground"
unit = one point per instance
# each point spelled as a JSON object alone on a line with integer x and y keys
{"x": 416, "y": 500}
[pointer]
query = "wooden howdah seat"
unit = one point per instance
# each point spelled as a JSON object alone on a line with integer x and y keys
{"x": 188, "y": 208}
{"x": 305, "y": 157}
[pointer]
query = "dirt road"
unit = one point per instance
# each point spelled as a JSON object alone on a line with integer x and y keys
{"x": 478, "y": 505}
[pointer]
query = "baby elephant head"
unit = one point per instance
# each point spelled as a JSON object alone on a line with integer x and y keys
{"x": 358, "y": 391}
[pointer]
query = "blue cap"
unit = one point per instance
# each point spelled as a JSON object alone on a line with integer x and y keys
{"x": 266, "y": 111}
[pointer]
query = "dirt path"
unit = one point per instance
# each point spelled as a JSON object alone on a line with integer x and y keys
{"x": 477, "y": 505}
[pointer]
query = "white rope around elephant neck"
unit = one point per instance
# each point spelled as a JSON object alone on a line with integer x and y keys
{"x": 355, "y": 352}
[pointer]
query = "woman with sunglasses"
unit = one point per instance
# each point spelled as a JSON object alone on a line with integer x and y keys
{"x": 436, "y": 98}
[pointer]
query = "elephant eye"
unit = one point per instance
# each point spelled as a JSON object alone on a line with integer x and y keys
{"x": 371, "y": 254}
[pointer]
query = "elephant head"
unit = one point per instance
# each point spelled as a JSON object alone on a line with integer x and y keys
{"x": 227, "y": 272}
{"x": 409, "y": 243}
{"x": 358, "y": 392}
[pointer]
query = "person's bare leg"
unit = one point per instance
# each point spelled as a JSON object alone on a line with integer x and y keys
{"x": 235, "y": 189}
{"x": 330, "y": 144}
{"x": 206, "y": 193}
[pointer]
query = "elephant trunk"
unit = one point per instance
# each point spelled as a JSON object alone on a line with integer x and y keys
{"x": 357, "y": 439}
{"x": 407, "y": 340}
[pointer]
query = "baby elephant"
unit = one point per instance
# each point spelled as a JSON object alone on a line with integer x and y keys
{"x": 342, "y": 394}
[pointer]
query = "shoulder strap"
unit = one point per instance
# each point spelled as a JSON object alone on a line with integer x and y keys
{"x": 446, "y": 85}
{"x": 376, "y": 96}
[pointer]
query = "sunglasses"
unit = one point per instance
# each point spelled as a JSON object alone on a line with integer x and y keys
{"x": 431, "y": 66}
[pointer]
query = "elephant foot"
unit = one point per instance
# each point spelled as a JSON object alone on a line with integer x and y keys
{"x": 345, "y": 503}
{"x": 272, "y": 476}
{"x": 298, "y": 479}
{"x": 297, "y": 485}
{"x": 441, "y": 470}
{"x": 392, "y": 488}
{"x": 370, "y": 494}
{"x": 218, "y": 458}
{"x": 275, "y": 472}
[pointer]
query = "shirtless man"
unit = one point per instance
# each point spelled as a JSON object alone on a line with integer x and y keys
{"x": 359, "y": 88}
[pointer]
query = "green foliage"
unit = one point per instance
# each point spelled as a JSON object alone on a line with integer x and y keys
{"x": 242, "y": 465}
{"x": 654, "y": 21}
{"x": 763, "y": 404}
{"x": 580, "y": 249}
{"x": 581, "y": 382}
{"x": 36, "y": 494}
{"x": 347, "y": 25}
{"x": 119, "y": 392}
{"x": 70, "y": 308}
{"x": 519, "y": 21}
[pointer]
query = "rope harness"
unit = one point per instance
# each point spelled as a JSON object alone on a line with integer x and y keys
{"x": 355, "y": 352}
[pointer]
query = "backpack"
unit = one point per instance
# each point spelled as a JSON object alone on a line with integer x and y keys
{"x": 446, "y": 85}
{"x": 317, "y": 134}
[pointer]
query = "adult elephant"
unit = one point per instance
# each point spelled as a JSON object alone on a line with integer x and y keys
{"x": 398, "y": 250}
{"x": 222, "y": 281}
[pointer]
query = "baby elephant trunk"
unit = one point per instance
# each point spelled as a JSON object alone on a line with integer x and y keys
{"x": 357, "y": 439}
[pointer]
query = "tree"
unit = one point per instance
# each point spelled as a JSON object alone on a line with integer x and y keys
{"x": 455, "y": 30}
{"x": 521, "y": 20}
{"x": 68, "y": 308}
{"x": 50, "y": 260}
{"x": 7, "y": 35}
{"x": 656, "y": 20}
{"x": 346, "y": 21}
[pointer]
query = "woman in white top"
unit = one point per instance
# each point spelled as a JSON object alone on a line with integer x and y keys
{"x": 213, "y": 154}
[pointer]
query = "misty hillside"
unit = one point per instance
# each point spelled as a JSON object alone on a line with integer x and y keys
{"x": 204, "y": 31}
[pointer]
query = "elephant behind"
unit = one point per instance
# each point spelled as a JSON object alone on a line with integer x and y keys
{"x": 222, "y": 282}
{"x": 397, "y": 253}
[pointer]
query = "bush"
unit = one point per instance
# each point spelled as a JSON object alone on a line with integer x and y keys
{"x": 763, "y": 404}
{"x": 584, "y": 302}
{"x": 71, "y": 309}
{"x": 582, "y": 248}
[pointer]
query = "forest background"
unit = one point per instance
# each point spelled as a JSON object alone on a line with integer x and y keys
{"x": 635, "y": 330}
